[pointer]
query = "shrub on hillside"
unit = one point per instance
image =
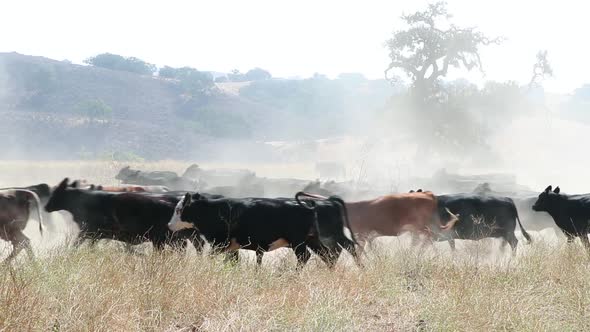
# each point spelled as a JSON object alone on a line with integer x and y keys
{"x": 257, "y": 74}
{"x": 118, "y": 62}
{"x": 192, "y": 81}
{"x": 94, "y": 109}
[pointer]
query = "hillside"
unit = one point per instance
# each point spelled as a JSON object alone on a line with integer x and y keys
{"x": 56, "y": 109}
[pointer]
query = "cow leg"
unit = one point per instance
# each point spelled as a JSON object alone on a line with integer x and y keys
{"x": 569, "y": 237}
{"x": 585, "y": 242}
{"x": 179, "y": 245}
{"x": 197, "y": 242}
{"x": 29, "y": 248}
{"x": 19, "y": 242}
{"x": 231, "y": 252}
{"x": 428, "y": 238}
{"x": 16, "y": 249}
{"x": 349, "y": 246}
{"x": 259, "y": 255}
{"x": 512, "y": 241}
{"x": 79, "y": 240}
{"x": 232, "y": 257}
{"x": 158, "y": 245}
{"x": 415, "y": 239}
{"x": 362, "y": 240}
{"x": 302, "y": 255}
{"x": 129, "y": 248}
{"x": 452, "y": 244}
{"x": 93, "y": 242}
{"x": 331, "y": 256}
{"x": 327, "y": 254}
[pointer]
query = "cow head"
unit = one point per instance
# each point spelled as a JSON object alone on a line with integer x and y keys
{"x": 177, "y": 222}
{"x": 125, "y": 173}
{"x": 548, "y": 200}
{"x": 57, "y": 200}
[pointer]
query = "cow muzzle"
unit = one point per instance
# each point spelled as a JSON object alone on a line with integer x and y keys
{"x": 179, "y": 225}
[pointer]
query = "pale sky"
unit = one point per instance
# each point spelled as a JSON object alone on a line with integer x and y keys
{"x": 293, "y": 38}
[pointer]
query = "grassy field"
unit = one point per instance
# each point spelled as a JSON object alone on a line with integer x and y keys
{"x": 399, "y": 289}
{"x": 477, "y": 288}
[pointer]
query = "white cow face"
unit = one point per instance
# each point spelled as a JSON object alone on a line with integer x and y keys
{"x": 176, "y": 224}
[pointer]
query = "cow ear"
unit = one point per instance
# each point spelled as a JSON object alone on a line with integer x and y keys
{"x": 75, "y": 184}
{"x": 548, "y": 189}
{"x": 63, "y": 184}
{"x": 196, "y": 196}
{"x": 557, "y": 190}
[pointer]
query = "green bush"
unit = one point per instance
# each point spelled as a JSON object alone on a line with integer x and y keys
{"x": 118, "y": 62}
{"x": 193, "y": 82}
{"x": 94, "y": 109}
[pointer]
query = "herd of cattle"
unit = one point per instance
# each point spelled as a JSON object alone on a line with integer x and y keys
{"x": 150, "y": 212}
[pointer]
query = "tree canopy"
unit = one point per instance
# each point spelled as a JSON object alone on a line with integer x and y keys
{"x": 426, "y": 49}
{"x": 541, "y": 69}
{"x": 257, "y": 74}
{"x": 94, "y": 109}
{"x": 118, "y": 62}
{"x": 191, "y": 80}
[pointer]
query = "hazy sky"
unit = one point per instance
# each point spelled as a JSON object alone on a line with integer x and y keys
{"x": 292, "y": 38}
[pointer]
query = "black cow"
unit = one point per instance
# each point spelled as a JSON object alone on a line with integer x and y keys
{"x": 571, "y": 213}
{"x": 265, "y": 224}
{"x": 128, "y": 217}
{"x": 158, "y": 178}
{"x": 481, "y": 217}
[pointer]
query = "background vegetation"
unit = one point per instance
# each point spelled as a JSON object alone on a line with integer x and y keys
{"x": 128, "y": 105}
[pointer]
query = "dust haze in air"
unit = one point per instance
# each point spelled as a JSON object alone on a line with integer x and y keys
{"x": 326, "y": 101}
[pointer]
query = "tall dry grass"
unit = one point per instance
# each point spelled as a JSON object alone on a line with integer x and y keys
{"x": 399, "y": 289}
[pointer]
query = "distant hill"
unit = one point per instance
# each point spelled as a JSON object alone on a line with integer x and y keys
{"x": 55, "y": 109}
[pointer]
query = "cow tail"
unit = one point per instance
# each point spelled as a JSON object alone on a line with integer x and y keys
{"x": 38, "y": 203}
{"x": 312, "y": 206}
{"x": 524, "y": 232}
{"x": 335, "y": 199}
{"x": 344, "y": 212}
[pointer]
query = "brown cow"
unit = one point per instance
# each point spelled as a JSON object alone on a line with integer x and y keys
{"x": 392, "y": 215}
{"x": 14, "y": 215}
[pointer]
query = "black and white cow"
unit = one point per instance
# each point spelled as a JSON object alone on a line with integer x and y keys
{"x": 266, "y": 224}
{"x": 132, "y": 218}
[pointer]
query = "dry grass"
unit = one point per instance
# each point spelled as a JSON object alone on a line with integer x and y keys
{"x": 399, "y": 289}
